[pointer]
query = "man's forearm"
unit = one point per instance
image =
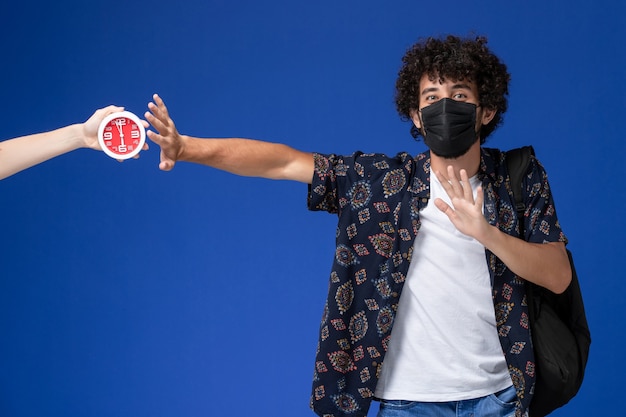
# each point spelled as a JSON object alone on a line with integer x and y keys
{"x": 545, "y": 264}
{"x": 249, "y": 157}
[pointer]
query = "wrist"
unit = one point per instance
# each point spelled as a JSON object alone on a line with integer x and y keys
{"x": 186, "y": 149}
{"x": 85, "y": 138}
{"x": 74, "y": 136}
{"x": 490, "y": 237}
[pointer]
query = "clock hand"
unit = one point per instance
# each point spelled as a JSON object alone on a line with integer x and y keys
{"x": 122, "y": 145}
{"x": 118, "y": 124}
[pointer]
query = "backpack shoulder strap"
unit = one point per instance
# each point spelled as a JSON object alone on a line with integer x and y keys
{"x": 517, "y": 161}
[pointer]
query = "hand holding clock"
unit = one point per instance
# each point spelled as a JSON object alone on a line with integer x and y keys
{"x": 24, "y": 152}
{"x": 90, "y": 127}
{"x": 122, "y": 135}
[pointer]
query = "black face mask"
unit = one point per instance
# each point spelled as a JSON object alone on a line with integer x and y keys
{"x": 449, "y": 127}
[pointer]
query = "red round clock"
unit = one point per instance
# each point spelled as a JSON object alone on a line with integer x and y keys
{"x": 121, "y": 135}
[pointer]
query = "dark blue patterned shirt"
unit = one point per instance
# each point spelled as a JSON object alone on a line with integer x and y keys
{"x": 378, "y": 201}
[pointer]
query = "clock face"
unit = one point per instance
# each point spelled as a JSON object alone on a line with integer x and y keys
{"x": 121, "y": 135}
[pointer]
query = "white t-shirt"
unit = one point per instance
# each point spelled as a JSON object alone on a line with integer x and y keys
{"x": 444, "y": 344}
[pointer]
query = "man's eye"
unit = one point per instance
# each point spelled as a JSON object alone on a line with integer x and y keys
{"x": 459, "y": 96}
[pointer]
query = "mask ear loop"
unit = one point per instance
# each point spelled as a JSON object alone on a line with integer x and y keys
{"x": 479, "y": 129}
{"x": 415, "y": 131}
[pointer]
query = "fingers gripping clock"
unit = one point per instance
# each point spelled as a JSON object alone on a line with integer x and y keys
{"x": 121, "y": 135}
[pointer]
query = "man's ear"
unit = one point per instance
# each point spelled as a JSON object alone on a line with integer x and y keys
{"x": 416, "y": 119}
{"x": 487, "y": 115}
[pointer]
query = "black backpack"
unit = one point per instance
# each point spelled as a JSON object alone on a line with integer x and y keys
{"x": 558, "y": 323}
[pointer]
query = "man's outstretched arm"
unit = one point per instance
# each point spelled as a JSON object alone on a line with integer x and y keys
{"x": 245, "y": 157}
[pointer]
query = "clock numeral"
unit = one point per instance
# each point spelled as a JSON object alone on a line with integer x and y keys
{"x": 135, "y": 134}
{"x": 107, "y": 136}
{"x": 120, "y": 122}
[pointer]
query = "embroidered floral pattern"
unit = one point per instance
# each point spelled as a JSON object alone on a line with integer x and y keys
{"x": 360, "y": 194}
{"x": 344, "y": 297}
{"x": 393, "y": 182}
{"x": 383, "y": 244}
{"x": 346, "y": 403}
{"x": 341, "y": 361}
{"x": 358, "y": 326}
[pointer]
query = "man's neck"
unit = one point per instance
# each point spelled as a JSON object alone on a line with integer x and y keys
{"x": 470, "y": 162}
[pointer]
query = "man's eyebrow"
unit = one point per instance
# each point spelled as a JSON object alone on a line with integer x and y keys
{"x": 461, "y": 86}
{"x": 429, "y": 90}
{"x": 458, "y": 86}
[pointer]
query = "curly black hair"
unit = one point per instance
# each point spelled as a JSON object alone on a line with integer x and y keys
{"x": 456, "y": 59}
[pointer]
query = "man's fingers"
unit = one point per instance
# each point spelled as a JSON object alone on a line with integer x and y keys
{"x": 155, "y": 137}
{"x": 467, "y": 187}
{"x": 167, "y": 135}
{"x": 157, "y": 112}
{"x": 480, "y": 197}
{"x": 443, "y": 180}
{"x": 166, "y": 165}
{"x": 444, "y": 207}
{"x": 155, "y": 122}
{"x": 161, "y": 105}
{"x": 450, "y": 183}
{"x": 159, "y": 118}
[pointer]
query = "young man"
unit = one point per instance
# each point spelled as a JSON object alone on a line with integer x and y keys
{"x": 26, "y": 151}
{"x": 426, "y": 309}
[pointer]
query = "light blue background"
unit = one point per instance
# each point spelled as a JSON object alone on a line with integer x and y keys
{"x": 126, "y": 291}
